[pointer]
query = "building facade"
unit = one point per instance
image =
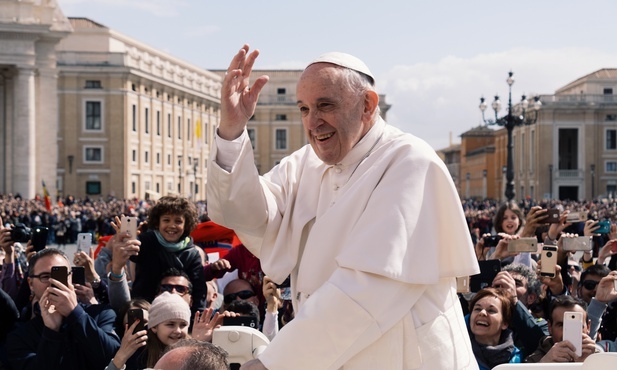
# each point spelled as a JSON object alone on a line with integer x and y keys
{"x": 134, "y": 121}
{"x": 29, "y": 33}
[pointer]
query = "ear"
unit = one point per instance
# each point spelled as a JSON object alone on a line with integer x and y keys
{"x": 30, "y": 284}
{"x": 371, "y": 102}
{"x": 154, "y": 329}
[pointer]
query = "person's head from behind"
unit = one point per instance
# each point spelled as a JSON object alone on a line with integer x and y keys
{"x": 338, "y": 104}
{"x": 173, "y": 217}
{"x": 560, "y": 305}
{"x": 168, "y": 322}
{"x": 238, "y": 289}
{"x": 491, "y": 312}
{"x": 177, "y": 282}
{"x": 213, "y": 293}
{"x": 193, "y": 354}
{"x": 590, "y": 278}
{"x": 509, "y": 218}
{"x": 40, "y": 266}
{"x": 245, "y": 308}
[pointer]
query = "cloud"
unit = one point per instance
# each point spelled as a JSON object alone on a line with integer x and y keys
{"x": 432, "y": 100}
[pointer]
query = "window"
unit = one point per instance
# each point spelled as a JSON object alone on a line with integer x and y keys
{"x": 281, "y": 91}
{"x": 93, "y": 187}
{"x": 93, "y": 154}
{"x": 188, "y": 129}
{"x": 147, "y": 120}
{"x": 251, "y": 132}
{"x": 133, "y": 87}
{"x": 611, "y": 167}
{"x": 611, "y": 117}
{"x": 134, "y": 155}
{"x": 133, "y": 187}
{"x": 93, "y": 84}
{"x": 158, "y": 187}
{"x": 611, "y": 139}
{"x": 147, "y": 156}
{"x": 168, "y": 159}
{"x": 158, "y": 158}
{"x": 179, "y": 127}
{"x": 168, "y": 124}
{"x": 281, "y": 117}
{"x": 608, "y": 91}
{"x": 158, "y": 123}
{"x": 134, "y": 118}
{"x": 93, "y": 115}
{"x": 281, "y": 139}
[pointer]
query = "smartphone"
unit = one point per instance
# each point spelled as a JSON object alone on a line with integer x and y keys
{"x": 39, "y": 237}
{"x": 605, "y": 227}
{"x": 249, "y": 321}
{"x": 488, "y": 270}
{"x": 285, "y": 284}
{"x": 84, "y": 242}
{"x": 523, "y": 245}
{"x": 573, "y": 330}
{"x": 78, "y": 275}
{"x": 576, "y": 217}
{"x": 491, "y": 240}
{"x": 553, "y": 216}
{"x": 549, "y": 260}
{"x": 462, "y": 284}
{"x": 129, "y": 224}
{"x": 136, "y": 314}
{"x": 580, "y": 243}
{"x": 60, "y": 273}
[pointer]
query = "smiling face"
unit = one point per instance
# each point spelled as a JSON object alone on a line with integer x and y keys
{"x": 510, "y": 222}
{"x": 334, "y": 117}
{"x": 171, "y": 227}
{"x": 486, "y": 320}
{"x": 171, "y": 331}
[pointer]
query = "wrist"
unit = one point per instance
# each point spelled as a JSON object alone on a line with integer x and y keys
{"x": 116, "y": 277}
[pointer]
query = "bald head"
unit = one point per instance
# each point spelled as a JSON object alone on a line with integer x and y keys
{"x": 191, "y": 354}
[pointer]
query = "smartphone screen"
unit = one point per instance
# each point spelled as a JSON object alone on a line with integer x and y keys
{"x": 136, "y": 314}
{"x": 573, "y": 330}
{"x": 84, "y": 242}
{"x": 129, "y": 224}
{"x": 78, "y": 275}
{"x": 39, "y": 237}
{"x": 60, "y": 273}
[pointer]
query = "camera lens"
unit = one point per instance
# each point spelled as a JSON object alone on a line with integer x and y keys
{"x": 549, "y": 254}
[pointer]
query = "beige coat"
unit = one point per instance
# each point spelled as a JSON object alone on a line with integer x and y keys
{"x": 373, "y": 246}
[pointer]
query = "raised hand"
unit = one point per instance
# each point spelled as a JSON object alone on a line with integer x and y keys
{"x": 238, "y": 98}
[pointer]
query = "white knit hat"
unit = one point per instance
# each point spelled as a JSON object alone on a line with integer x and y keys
{"x": 168, "y": 306}
{"x": 344, "y": 60}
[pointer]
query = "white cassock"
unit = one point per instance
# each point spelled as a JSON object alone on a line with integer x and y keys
{"x": 373, "y": 245}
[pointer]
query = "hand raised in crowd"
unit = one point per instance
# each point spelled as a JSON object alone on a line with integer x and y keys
{"x": 590, "y": 227}
{"x": 606, "y": 292}
{"x": 272, "y": 294}
{"x": 505, "y": 282}
{"x": 501, "y": 251}
{"x": 588, "y": 348}
{"x": 52, "y": 318}
{"x": 607, "y": 251}
{"x": 555, "y": 284}
{"x": 130, "y": 343}
{"x": 204, "y": 323}
{"x": 62, "y": 297}
{"x": 6, "y": 243}
{"x": 554, "y": 230}
{"x": 86, "y": 260}
{"x": 482, "y": 249}
{"x": 85, "y": 293}
{"x": 117, "y": 225}
{"x": 220, "y": 265}
{"x": 123, "y": 247}
{"x": 537, "y": 216}
{"x": 238, "y": 98}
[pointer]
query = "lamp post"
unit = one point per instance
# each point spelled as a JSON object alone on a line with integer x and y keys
{"x": 195, "y": 179}
{"x": 180, "y": 174}
{"x": 593, "y": 175}
{"x": 510, "y": 121}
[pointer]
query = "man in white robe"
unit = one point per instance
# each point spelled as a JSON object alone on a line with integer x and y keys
{"x": 365, "y": 219}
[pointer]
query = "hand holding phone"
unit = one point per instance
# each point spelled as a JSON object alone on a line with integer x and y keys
{"x": 84, "y": 242}
{"x": 39, "y": 237}
{"x": 78, "y": 275}
{"x": 573, "y": 330}
{"x": 133, "y": 315}
{"x": 580, "y": 243}
{"x": 549, "y": 261}
{"x": 129, "y": 224}
{"x": 61, "y": 274}
{"x": 523, "y": 245}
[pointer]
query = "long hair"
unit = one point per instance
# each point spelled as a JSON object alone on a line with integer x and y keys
{"x": 499, "y": 216}
{"x": 154, "y": 348}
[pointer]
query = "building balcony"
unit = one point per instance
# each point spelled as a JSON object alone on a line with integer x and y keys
{"x": 569, "y": 174}
{"x": 578, "y": 99}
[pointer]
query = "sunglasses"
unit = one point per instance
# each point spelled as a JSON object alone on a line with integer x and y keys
{"x": 243, "y": 294}
{"x": 590, "y": 284}
{"x": 575, "y": 267}
{"x": 180, "y": 289}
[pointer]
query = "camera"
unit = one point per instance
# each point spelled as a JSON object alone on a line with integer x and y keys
{"x": 492, "y": 240}
{"x": 20, "y": 233}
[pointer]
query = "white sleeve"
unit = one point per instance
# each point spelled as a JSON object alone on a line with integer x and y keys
{"x": 228, "y": 151}
{"x": 271, "y": 326}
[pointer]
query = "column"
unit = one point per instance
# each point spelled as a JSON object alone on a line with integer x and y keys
{"x": 24, "y": 136}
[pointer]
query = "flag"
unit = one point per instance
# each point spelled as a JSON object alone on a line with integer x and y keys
{"x": 46, "y": 198}
{"x": 198, "y": 132}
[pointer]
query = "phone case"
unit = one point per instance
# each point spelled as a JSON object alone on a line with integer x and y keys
{"x": 573, "y": 330}
{"x": 605, "y": 227}
{"x": 553, "y": 216}
{"x": 39, "y": 237}
{"x": 129, "y": 224}
{"x": 523, "y": 245}
{"x": 78, "y": 275}
{"x": 549, "y": 260}
{"x": 581, "y": 243}
{"x": 462, "y": 284}
{"x": 60, "y": 273}
{"x": 576, "y": 217}
{"x": 84, "y": 242}
{"x": 134, "y": 314}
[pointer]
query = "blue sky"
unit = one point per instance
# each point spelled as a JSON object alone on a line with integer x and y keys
{"x": 432, "y": 59}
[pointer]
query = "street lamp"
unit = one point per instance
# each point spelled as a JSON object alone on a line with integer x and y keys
{"x": 195, "y": 177}
{"x": 510, "y": 121}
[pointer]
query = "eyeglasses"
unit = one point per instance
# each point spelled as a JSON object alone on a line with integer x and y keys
{"x": 44, "y": 277}
{"x": 590, "y": 284}
{"x": 243, "y": 294}
{"x": 180, "y": 289}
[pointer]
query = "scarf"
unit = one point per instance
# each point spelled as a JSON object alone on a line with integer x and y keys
{"x": 491, "y": 356}
{"x": 172, "y": 247}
